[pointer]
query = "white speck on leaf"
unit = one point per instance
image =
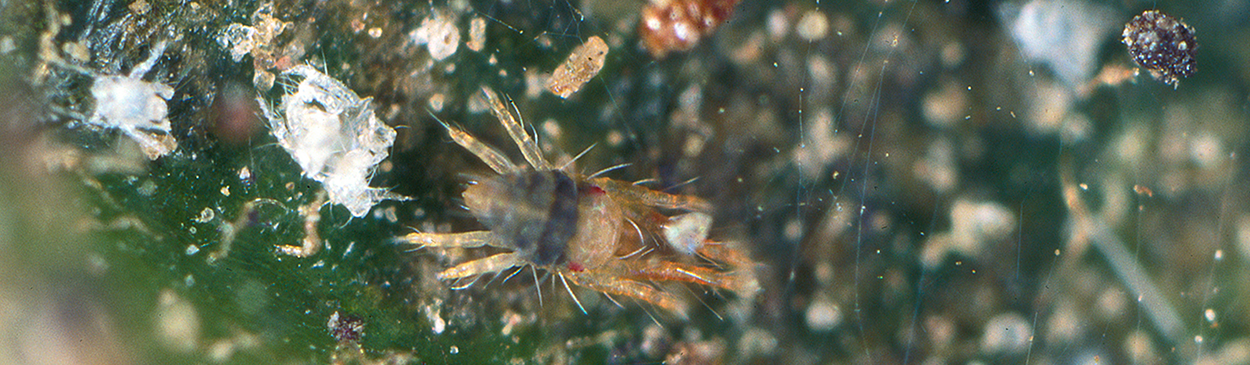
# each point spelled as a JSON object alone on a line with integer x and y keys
{"x": 136, "y": 107}
{"x": 440, "y": 35}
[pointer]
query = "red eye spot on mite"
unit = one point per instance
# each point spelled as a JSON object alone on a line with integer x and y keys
{"x": 575, "y": 267}
{"x": 595, "y": 190}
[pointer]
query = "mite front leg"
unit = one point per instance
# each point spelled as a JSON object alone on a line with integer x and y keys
{"x": 450, "y": 240}
{"x": 490, "y": 264}
{"x": 614, "y": 285}
{"x": 515, "y": 129}
{"x": 492, "y": 157}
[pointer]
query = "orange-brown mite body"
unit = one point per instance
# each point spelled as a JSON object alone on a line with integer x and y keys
{"x": 607, "y": 235}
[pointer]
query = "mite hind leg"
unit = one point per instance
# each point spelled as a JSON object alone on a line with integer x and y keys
{"x": 742, "y": 284}
{"x": 644, "y": 196}
{"x": 617, "y": 286}
{"x": 723, "y": 252}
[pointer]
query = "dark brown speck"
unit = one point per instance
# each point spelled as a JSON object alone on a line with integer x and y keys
{"x": 1164, "y": 45}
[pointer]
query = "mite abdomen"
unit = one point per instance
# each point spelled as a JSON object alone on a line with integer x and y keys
{"x": 533, "y": 211}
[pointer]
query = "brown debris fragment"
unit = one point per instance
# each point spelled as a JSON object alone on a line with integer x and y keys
{"x": 346, "y": 328}
{"x": 697, "y": 352}
{"x": 312, "y": 240}
{"x": 1164, "y": 45}
{"x": 583, "y": 64}
{"x": 679, "y": 25}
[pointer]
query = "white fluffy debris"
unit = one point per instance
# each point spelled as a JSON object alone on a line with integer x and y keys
{"x": 242, "y": 39}
{"x": 1062, "y": 34}
{"x": 975, "y": 225}
{"x": 687, "y": 232}
{"x": 239, "y": 39}
{"x": 439, "y": 33}
{"x": 136, "y": 107}
{"x": 334, "y": 136}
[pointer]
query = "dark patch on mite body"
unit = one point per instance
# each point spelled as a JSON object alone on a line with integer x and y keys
{"x": 562, "y": 223}
{"x": 534, "y": 210}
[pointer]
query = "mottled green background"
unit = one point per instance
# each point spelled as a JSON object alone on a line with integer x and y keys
{"x": 917, "y": 185}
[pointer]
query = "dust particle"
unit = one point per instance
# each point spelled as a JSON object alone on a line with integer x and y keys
{"x": 346, "y": 328}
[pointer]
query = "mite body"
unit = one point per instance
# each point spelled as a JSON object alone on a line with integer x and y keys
{"x": 599, "y": 233}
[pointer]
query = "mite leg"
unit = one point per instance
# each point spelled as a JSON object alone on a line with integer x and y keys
{"x": 617, "y": 286}
{"x": 722, "y": 252}
{"x": 490, "y": 264}
{"x": 641, "y": 195}
{"x": 523, "y": 140}
{"x": 448, "y": 240}
{"x": 492, "y": 157}
{"x": 744, "y": 285}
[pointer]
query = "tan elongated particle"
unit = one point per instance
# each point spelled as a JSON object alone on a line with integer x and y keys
{"x": 582, "y": 65}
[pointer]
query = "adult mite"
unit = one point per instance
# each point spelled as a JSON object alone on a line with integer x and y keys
{"x": 607, "y": 235}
